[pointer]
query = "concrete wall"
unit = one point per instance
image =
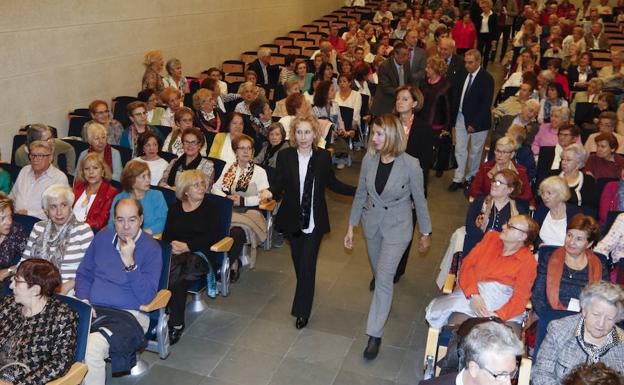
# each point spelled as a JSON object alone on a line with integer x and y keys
{"x": 57, "y": 55}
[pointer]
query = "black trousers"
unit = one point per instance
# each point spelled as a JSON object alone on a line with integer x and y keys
{"x": 239, "y": 241}
{"x": 506, "y": 33}
{"x": 304, "y": 250}
{"x": 184, "y": 268}
{"x": 484, "y": 45}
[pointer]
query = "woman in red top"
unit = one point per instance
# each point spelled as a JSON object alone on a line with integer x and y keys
{"x": 464, "y": 34}
{"x": 93, "y": 192}
{"x": 605, "y": 163}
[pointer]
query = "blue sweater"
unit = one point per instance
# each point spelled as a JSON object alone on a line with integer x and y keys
{"x": 154, "y": 210}
{"x": 102, "y": 280}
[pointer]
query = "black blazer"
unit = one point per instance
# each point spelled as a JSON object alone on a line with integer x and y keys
{"x": 491, "y": 24}
{"x": 286, "y": 187}
{"x": 383, "y": 102}
{"x": 255, "y": 66}
{"x": 447, "y": 379}
{"x": 544, "y": 161}
{"x": 573, "y": 77}
{"x": 420, "y": 144}
{"x": 455, "y": 68}
{"x": 478, "y": 101}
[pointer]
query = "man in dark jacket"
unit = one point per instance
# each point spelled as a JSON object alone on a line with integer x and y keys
{"x": 393, "y": 73}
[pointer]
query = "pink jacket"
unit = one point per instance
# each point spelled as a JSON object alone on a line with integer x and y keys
{"x": 608, "y": 201}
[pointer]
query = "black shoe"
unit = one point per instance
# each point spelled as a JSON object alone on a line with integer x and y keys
{"x": 455, "y": 186}
{"x": 175, "y": 334}
{"x": 397, "y": 277}
{"x": 301, "y": 322}
{"x": 372, "y": 349}
{"x": 468, "y": 183}
{"x": 235, "y": 273}
{"x": 439, "y": 173}
{"x": 371, "y": 285}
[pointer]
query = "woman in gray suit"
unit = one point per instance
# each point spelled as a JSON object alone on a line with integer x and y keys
{"x": 382, "y": 202}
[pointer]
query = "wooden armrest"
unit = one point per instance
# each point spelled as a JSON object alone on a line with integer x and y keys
{"x": 268, "y": 205}
{"x": 223, "y": 245}
{"x": 431, "y": 344}
{"x": 529, "y": 305}
{"x": 159, "y": 302}
{"x": 157, "y": 236}
{"x": 524, "y": 373}
{"x": 74, "y": 377}
{"x": 449, "y": 284}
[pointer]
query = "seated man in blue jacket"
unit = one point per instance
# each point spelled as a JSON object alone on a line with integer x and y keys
{"x": 120, "y": 271}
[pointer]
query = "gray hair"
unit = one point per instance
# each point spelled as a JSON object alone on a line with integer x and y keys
{"x": 564, "y": 112}
{"x": 35, "y": 132}
{"x": 40, "y": 144}
{"x": 57, "y": 191}
{"x": 490, "y": 338}
{"x": 578, "y": 153}
{"x": 609, "y": 292}
{"x": 548, "y": 75}
{"x": 532, "y": 103}
{"x": 263, "y": 51}
{"x": 93, "y": 129}
{"x": 171, "y": 64}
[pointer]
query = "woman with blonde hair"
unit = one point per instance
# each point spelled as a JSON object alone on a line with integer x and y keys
{"x": 154, "y": 63}
{"x": 304, "y": 223}
{"x": 389, "y": 178}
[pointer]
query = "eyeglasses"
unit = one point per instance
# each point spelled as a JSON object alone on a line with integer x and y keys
{"x": 503, "y": 152}
{"x": 508, "y": 224}
{"x": 504, "y": 376}
{"x": 498, "y": 183}
{"x": 101, "y": 112}
{"x": 140, "y": 113}
{"x": 244, "y": 148}
{"x": 190, "y": 142}
{"x": 16, "y": 281}
{"x": 38, "y": 156}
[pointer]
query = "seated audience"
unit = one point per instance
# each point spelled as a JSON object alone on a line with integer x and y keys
{"x": 244, "y": 183}
{"x": 192, "y": 227}
{"x": 611, "y": 75}
{"x": 93, "y": 193}
{"x": 38, "y": 331}
{"x": 287, "y": 71}
{"x": 580, "y": 75}
{"x": 34, "y": 179}
{"x": 260, "y": 120}
{"x": 590, "y": 336}
{"x": 135, "y": 181}
{"x": 296, "y": 105}
{"x": 594, "y": 88}
{"x": 192, "y": 140}
{"x": 605, "y": 163}
{"x": 152, "y": 79}
{"x": 347, "y": 97}
{"x": 553, "y": 214}
{"x": 563, "y": 274}
{"x": 174, "y": 77}
{"x": 513, "y": 104}
{"x": 595, "y": 39}
{"x": 549, "y": 159}
{"x": 148, "y": 145}
{"x": 607, "y": 122}
{"x": 503, "y": 160}
{"x": 581, "y": 186}
{"x": 96, "y": 137}
{"x": 222, "y": 145}
{"x": 183, "y": 119}
{"x": 267, "y": 157}
{"x": 248, "y": 91}
{"x": 612, "y": 245}
{"x": 42, "y": 132}
{"x": 592, "y": 374}
{"x": 101, "y": 115}
{"x": 171, "y": 97}
{"x": 492, "y": 211}
{"x": 12, "y": 242}
{"x": 302, "y": 76}
{"x": 291, "y": 87}
{"x": 524, "y": 155}
{"x": 152, "y": 101}
{"x": 576, "y": 40}
{"x": 119, "y": 273}
{"x": 137, "y": 112}
{"x": 495, "y": 279}
{"x": 61, "y": 238}
{"x": 548, "y": 134}
{"x": 554, "y": 98}
{"x": 208, "y": 118}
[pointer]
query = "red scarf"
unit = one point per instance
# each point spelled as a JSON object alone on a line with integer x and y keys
{"x": 555, "y": 271}
{"x": 108, "y": 155}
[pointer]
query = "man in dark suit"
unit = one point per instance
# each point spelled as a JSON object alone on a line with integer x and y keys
{"x": 393, "y": 73}
{"x": 472, "y": 103}
{"x": 454, "y": 62}
{"x": 262, "y": 67}
{"x": 485, "y": 24}
{"x": 417, "y": 57}
{"x": 490, "y": 351}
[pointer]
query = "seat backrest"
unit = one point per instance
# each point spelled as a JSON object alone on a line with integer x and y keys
{"x": 163, "y": 283}
{"x": 27, "y": 221}
{"x": 225, "y": 206}
{"x": 78, "y": 145}
{"x": 12, "y": 169}
{"x": 168, "y": 156}
{"x": 364, "y": 110}
{"x": 167, "y": 193}
{"x": 584, "y": 113}
{"x": 218, "y": 166}
{"x": 84, "y": 112}
{"x": 76, "y": 123}
{"x": 346, "y": 113}
{"x": 125, "y": 153}
{"x": 164, "y": 131}
{"x": 83, "y": 310}
{"x": 18, "y": 140}
{"x": 119, "y": 105}
{"x": 233, "y": 66}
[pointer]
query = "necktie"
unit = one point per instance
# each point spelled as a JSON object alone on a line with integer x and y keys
{"x": 466, "y": 92}
{"x": 401, "y": 76}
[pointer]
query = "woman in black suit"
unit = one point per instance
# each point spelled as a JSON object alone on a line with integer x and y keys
{"x": 485, "y": 39}
{"x": 303, "y": 172}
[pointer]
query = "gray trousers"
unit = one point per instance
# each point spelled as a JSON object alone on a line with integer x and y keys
{"x": 384, "y": 258}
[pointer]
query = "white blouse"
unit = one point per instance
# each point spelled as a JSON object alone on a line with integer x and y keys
{"x": 258, "y": 182}
{"x": 553, "y": 231}
{"x": 82, "y": 206}
{"x": 157, "y": 168}
{"x": 354, "y": 100}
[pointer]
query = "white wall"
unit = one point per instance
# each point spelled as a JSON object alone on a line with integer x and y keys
{"x": 57, "y": 55}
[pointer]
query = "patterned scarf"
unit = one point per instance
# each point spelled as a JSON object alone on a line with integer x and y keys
{"x": 594, "y": 353}
{"x": 548, "y": 105}
{"x": 108, "y": 154}
{"x": 243, "y": 180}
{"x": 486, "y": 210}
{"x": 134, "y": 136}
{"x": 54, "y": 238}
{"x": 620, "y": 196}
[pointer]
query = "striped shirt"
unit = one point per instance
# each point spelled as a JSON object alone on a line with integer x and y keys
{"x": 80, "y": 239}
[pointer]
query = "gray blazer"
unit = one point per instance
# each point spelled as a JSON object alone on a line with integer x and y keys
{"x": 560, "y": 352}
{"x": 391, "y": 212}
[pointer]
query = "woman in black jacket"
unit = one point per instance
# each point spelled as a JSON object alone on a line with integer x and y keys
{"x": 303, "y": 213}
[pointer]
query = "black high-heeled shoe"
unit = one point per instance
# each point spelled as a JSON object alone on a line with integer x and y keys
{"x": 175, "y": 334}
{"x": 301, "y": 322}
{"x": 235, "y": 273}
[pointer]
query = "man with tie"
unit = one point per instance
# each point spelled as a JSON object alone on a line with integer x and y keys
{"x": 393, "y": 73}
{"x": 417, "y": 57}
{"x": 472, "y": 102}
{"x": 454, "y": 62}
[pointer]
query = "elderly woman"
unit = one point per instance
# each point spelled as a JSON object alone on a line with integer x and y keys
{"x": 524, "y": 154}
{"x": 148, "y": 145}
{"x": 208, "y": 118}
{"x": 222, "y": 145}
{"x": 37, "y": 332}
{"x": 548, "y": 132}
{"x": 171, "y": 97}
{"x": 174, "y": 77}
{"x": 291, "y": 87}
{"x": 554, "y": 213}
{"x": 192, "y": 141}
{"x": 503, "y": 159}
{"x": 93, "y": 192}
{"x": 12, "y": 241}
{"x": 588, "y": 337}
{"x": 61, "y": 239}
{"x": 152, "y": 79}
{"x": 302, "y": 76}
{"x": 594, "y": 88}
{"x": 495, "y": 279}
{"x": 613, "y": 244}
{"x": 492, "y": 211}
{"x": 39, "y": 131}
{"x": 100, "y": 114}
{"x": 96, "y": 137}
{"x": 192, "y": 227}
{"x": 607, "y": 123}
{"x": 183, "y": 119}
{"x": 267, "y": 157}
{"x": 245, "y": 184}
{"x": 563, "y": 274}
{"x": 248, "y": 92}
{"x": 137, "y": 112}
{"x": 554, "y": 98}
{"x": 135, "y": 181}
{"x": 152, "y": 101}
{"x": 581, "y": 185}
{"x": 605, "y": 163}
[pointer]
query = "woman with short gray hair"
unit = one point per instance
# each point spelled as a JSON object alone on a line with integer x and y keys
{"x": 588, "y": 337}
{"x": 174, "y": 77}
{"x": 61, "y": 238}
{"x": 581, "y": 185}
